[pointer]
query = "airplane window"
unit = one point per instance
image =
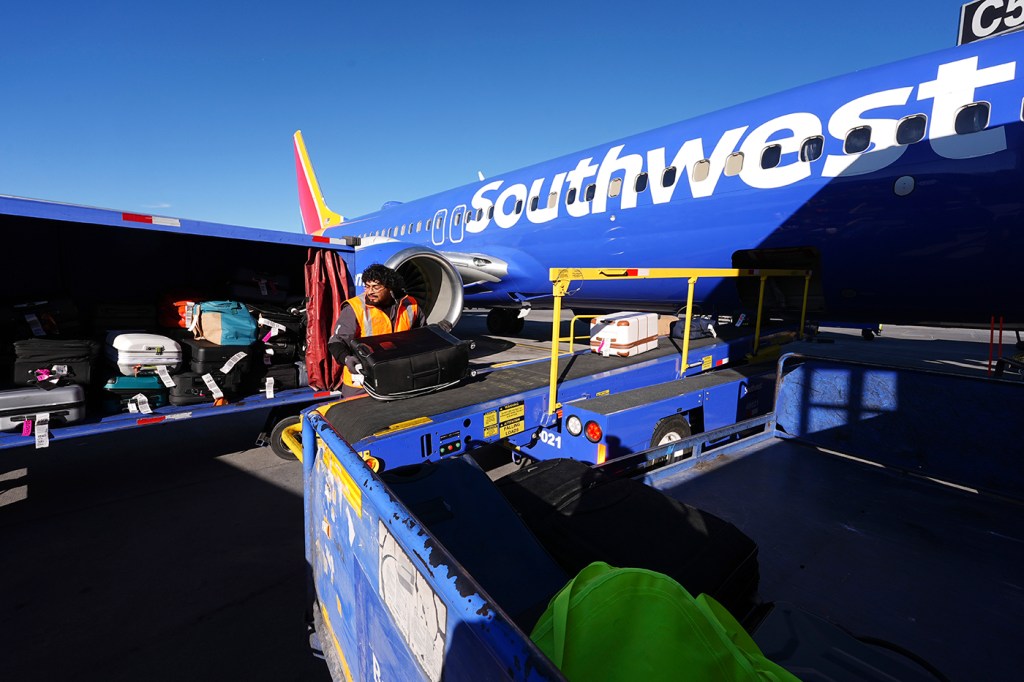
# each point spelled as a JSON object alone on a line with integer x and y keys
{"x": 771, "y": 155}
{"x": 641, "y": 183}
{"x": 429, "y": 223}
{"x": 479, "y": 214}
{"x": 591, "y": 191}
{"x": 701, "y": 170}
{"x": 733, "y": 164}
{"x": 490, "y": 212}
{"x": 457, "y": 219}
{"x": 519, "y": 207}
{"x": 419, "y": 225}
{"x": 615, "y": 187}
{"x": 668, "y": 178}
{"x": 403, "y": 230}
{"x": 552, "y": 199}
{"x": 972, "y": 118}
{"x": 857, "y": 140}
{"x": 911, "y": 129}
{"x": 570, "y": 197}
{"x": 811, "y": 148}
{"x": 533, "y": 203}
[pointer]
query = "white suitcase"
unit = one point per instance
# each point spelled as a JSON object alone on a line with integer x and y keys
{"x": 624, "y": 334}
{"x": 142, "y": 354}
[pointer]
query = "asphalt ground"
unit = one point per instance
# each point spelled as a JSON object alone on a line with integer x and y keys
{"x": 180, "y": 557}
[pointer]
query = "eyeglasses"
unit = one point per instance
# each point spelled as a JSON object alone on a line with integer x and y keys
{"x": 374, "y": 287}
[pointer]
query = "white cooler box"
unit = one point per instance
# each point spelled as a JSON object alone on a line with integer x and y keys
{"x": 141, "y": 354}
{"x": 624, "y": 334}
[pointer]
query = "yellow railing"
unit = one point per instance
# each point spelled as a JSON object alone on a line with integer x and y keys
{"x": 561, "y": 278}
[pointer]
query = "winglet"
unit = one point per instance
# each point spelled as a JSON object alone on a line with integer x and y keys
{"x": 316, "y": 217}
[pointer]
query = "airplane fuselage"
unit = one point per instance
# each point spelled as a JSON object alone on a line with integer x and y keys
{"x": 899, "y": 186}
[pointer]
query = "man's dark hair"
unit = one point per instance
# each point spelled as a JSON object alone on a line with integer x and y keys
{"x": 386, "y": 276}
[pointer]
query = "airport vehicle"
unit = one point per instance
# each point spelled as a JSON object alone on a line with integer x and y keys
{"x": 90, "y": 256}
{"x": 836, "y": 177}
{"x": 871, "y": 520}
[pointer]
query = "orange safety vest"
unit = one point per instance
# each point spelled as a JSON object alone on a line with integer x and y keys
{"x": 373, "y": 321}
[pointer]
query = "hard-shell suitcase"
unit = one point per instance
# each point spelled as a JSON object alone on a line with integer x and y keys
{"x": 191, "y": 388}
{"x": 582, "y": 514}
{"x": 624, "y": 334}
{"x": 63, "y": 404}
{"x": 456, "y": 500}
{"x": 121, "y": 391}
{"x": 205, "y": 356}
{"x": 283, "y": 378}
{"x": 138, "y": 353}
{"x": 278, "y": 352}
{"x": 411, "y": 362}
{"x": 73, "y": 360}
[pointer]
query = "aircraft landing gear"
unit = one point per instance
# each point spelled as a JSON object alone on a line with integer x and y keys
{"x": 504, "y": 322}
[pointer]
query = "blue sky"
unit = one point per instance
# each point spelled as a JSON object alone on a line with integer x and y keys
{"x": 187, "y": 109}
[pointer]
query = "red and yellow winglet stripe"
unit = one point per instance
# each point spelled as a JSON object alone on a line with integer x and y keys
{"x": 316, "y": 217}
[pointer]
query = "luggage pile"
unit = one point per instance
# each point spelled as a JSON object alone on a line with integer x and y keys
{"x": 60, "y": 360}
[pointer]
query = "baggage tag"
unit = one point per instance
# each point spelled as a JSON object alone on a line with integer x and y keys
{"x": 165, "y": 376}
{"x": 33, "y": 322}
{"x": 232, "y": 361}
{"x": 212, "y": 385}
{"x": 141, "y": 403}
{"x": 270, "y": 388}
{"x": 275, "y": 327}
{"x": 42, "y": 430}
{"x": 26, "y": 428}
{"x": 191, "y": 316}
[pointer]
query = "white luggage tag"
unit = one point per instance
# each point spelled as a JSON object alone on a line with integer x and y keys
{"x": 232, "y": 361}
{"x": 275, "y": 328}
{"x": 139, "y": 403}
{"x": 165, "y": 376}
{"x": 42, "y": 430}
{"x": 191, "y": 316}
{"x": 212, "y": 385}
{"x": 269, "y": 389}
{"x": 33, "y": 322}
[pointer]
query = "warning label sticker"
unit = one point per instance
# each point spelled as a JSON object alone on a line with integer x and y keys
{"x": 705, "y": 363}
{"x": 513, "y": 427}
{"x": 490, "y": 424}
{"x": 512, "y": 411}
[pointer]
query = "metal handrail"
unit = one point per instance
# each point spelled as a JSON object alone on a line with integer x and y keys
{"x": 561, "y": 278}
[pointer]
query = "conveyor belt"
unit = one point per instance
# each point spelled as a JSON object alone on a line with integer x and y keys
{"x": 357, "y": 419}
{"x": 610, "y": 404}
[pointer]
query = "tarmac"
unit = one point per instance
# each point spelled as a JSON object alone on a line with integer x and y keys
{"x": 183, "y": 558}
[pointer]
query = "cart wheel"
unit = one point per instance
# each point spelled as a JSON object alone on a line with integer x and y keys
{"x": 276, "y": 443}
{"x": 670, "y": 430}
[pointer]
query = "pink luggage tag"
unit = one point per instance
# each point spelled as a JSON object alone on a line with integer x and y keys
{"x": 26, "y": 427}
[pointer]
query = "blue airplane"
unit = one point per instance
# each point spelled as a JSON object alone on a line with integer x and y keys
{"x": 900, "y": 187}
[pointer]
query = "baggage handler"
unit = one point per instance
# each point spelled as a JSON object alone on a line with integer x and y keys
{"x": 383, "y": 308}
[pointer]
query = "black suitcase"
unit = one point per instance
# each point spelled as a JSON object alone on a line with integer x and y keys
{"x": 409, "y": 363}
{"x": 51, "y": 318}
{"x": 279, "y": 352}
{"x": 191, "y": 389}
{"x": 462, "y": 508}
{"x": 285, "y": 377}
{"x": 278, "y": 321}
{"x": 42, "y": 359}
{"x": 582, "y": 514}
{"x": 206, "y": 356}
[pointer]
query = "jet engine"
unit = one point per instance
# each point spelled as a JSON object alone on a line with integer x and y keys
{"x": 429, "y": 277}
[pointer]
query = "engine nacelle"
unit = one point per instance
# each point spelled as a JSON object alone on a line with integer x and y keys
{"x": 429, "y": 277}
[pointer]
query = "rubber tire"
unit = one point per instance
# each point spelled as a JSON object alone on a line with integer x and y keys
{"x": 670, "y": 430}
{"x": 277, "y": 443}
{"x": 504, "y": 322}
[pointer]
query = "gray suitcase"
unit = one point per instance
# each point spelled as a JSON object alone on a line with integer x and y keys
{"x": 64, "y": 404}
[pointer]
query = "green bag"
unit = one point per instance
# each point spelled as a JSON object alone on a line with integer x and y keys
{"x": 633, "y": 624}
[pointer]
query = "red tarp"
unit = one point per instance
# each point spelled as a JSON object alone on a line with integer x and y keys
{"x": 327, "y": 287}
